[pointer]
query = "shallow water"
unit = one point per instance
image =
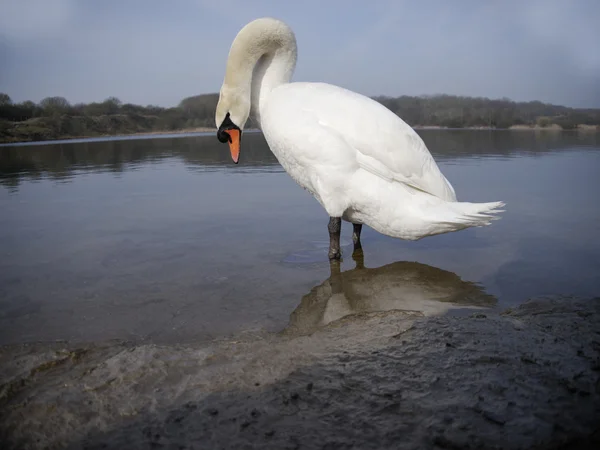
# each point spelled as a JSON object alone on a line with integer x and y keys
{"x": 165, "y": 240}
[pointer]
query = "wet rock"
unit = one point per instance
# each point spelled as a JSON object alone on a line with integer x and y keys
{"x": 498, "y": 385}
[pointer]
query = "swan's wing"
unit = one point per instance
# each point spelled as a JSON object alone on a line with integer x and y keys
{"x": 374, "y": 138}
{"x": 375, "y": 166}
{"x": 401, "y": 154}
{"x": 397, "y": 154}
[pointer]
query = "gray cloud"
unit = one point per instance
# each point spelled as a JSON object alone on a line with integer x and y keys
{"x": 158, "y": 52}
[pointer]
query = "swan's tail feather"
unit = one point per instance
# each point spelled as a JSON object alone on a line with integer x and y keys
{"x": 464, "y": 214}
{"x": 446, "y": 217}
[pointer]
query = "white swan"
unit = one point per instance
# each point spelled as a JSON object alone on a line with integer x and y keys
{"x": 358, "y": 159}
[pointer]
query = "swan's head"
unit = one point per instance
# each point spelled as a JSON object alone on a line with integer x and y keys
{"x": 262, "y": 56}
{"x": 232, "y": 113}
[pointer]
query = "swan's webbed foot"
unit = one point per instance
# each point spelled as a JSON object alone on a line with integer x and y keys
{"x": 335, "y": 229}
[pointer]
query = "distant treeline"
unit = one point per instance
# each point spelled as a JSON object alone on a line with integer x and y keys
{"x": 462, "y": 112}
{"x": 56, "y": 118}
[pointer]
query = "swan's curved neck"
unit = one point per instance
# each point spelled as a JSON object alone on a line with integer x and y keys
{"x": 270, "y": 71}
{"x": 262, "y": 57}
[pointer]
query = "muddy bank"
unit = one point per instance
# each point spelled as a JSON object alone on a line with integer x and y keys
{"x": 526, "y": 378}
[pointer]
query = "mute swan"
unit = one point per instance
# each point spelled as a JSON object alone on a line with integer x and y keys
{"x": 359, "y": 160}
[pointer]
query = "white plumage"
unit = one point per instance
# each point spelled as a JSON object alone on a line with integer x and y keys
{"x": 358, "y": 159}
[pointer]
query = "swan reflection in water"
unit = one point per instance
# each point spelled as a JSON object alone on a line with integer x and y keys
{"x": 399, "y": 286}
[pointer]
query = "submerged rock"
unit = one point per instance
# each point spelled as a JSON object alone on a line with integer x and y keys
{"x": 526, "y": 378}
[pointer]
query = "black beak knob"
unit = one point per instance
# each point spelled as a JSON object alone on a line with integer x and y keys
{"x": 222, "y": 136}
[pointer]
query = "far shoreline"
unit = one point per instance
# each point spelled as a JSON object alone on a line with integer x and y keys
{"x": 204, "y": 131}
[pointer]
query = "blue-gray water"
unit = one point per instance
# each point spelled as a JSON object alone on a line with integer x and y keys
{"x": 166, "y": 240}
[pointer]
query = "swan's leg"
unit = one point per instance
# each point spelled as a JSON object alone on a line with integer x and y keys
{"x": 358, "y": 251}
{"x": 356, "y": 236}
{"x": 335, "y": 228}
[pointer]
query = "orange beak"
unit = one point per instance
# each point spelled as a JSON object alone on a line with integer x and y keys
{"x": 234, "y": 144}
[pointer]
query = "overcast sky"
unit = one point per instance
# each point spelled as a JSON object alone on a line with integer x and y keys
{"x": 159, "y": 51}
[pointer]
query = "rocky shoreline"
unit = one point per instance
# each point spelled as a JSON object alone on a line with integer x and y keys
{"x": 525, "y": 378}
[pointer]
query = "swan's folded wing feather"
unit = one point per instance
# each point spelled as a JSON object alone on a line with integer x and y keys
{"x": 403, "y": 157}
{"x": 406, "y": 161}
{"x": 374, "y": 166}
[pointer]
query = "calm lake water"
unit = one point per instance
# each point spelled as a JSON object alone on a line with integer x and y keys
{"x": 165, "y": 240}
